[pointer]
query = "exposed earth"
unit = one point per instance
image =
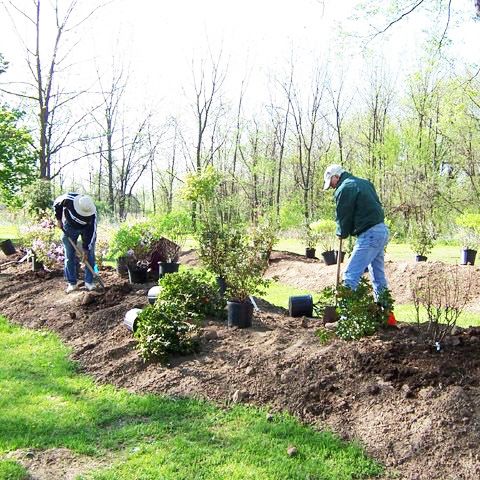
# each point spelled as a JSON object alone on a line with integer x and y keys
{"x": 414, "y": 409}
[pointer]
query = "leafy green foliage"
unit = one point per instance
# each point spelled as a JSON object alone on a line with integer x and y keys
{"x": 38, "y": 198}
{"x": 244, "y": 268}
{"x": 201, "y": 186}
{"x": 196, "y": 289}
{"x": 215, "y": 241}
{"x": 324, "y": 335}
{"x": 167, "y": 327}
{"x": 135, "y": 238}
{"x": 359, "y": 314}
{"x": 469, "y": 224}
{"x": 421, "y": 238}
{"x": 43, "y": 238}
{"x": 322, "y": 232}
{"x": 17, "y": 158}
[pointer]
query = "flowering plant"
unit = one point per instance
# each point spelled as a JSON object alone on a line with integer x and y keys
{"x": 44, "y": 241}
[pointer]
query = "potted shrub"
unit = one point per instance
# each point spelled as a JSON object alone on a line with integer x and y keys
{"x": 244, "y": 268}
{"x": 325, "y": 232}
{"x": 128, "y": 242}
{"x": 469, "y": 234}
{"x": 215, "y": 242}
{"x": 172, "y": 229}
{"x": 421, "y": 241}
{"x": 311, "y": 240}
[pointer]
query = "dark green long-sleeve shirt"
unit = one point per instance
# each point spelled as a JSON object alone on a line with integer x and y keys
{"x": 358, "y": 207}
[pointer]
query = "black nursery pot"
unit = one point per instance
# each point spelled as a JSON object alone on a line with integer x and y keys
{"x": 329, "y": 257}
{"x": 468, "y": 256}
{"x": 137, "y": 275}
{"x": 239, "y": 314}
{"x": 222, "y": 285}
{"x": 167, "y": 267}
{"x": 310, "y": 252}
{"x": 342, "y": 256}
{"x": 420, "y": 258}
{"x": 122, "y": 268}
{"x": 300, "y": 306}
{"x": 7, "y": 247}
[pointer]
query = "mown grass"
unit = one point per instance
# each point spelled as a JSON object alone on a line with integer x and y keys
{"x": 9, "y": 232}
{"x": 46, "y": 404}
{"x": 398, "y": 252}
{"x": 12, "y": 470}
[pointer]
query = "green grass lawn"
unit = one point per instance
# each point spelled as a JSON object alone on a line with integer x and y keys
{"x": 44, "y": 404}
{"x": 395, "y": 251}
{"x": 9, "y": 232}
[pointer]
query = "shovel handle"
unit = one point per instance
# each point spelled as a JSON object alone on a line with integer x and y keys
{"x": 339, "y": 260}
{"x": 87, "y": 263}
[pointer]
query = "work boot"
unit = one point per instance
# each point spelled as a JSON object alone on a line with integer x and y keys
{"x": 89, "y": 286}
{"x": 71, "y": 287}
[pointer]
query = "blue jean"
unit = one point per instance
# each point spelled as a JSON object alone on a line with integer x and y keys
{"x": 70, "y": 266}
{"x": 369, "y": 251}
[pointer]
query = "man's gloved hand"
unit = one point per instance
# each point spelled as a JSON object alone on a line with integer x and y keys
{"x": 85, "y": 255}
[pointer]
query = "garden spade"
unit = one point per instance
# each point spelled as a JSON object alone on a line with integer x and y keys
{"x": 96, "y": 276}
{"x": 330, "y": 312}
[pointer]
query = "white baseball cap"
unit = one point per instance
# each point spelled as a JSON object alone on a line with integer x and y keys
{"x": 84, "y": 206}
{"x": 331, "y": 171}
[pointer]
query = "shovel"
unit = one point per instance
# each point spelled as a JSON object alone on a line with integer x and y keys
{"x": 96, "y": 276}
{"x": 330, "y": 312}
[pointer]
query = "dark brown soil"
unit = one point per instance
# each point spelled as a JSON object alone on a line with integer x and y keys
{"x": 414, "y": 409}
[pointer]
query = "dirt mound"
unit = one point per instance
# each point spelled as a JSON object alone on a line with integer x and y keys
{"x": 415, "y": 409}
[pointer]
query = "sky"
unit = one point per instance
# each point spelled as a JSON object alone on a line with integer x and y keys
{"x": 161, "y": 43}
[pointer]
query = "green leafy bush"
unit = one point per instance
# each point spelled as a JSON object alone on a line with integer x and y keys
{"x": 469, "y": 229}
{"x": 38, "y": 198}
{"x": 166, "y": 328}
{"x": 215, "y": 241}
{"x": 359, "y": 314}
{"x": 196, "y": 289}
{"x": 244, "y": 269}
{"x": 43, "y": 239}
{"x": 323, "y": 233}
{"x": 135, "y": 239}
{"x": 421, "y": 238}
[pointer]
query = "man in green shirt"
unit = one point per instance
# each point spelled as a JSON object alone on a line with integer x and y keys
{"x": 359, "y": 213}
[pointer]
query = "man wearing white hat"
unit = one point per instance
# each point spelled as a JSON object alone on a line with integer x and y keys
{"x": 77, "y": 216}
{"x": 359, "y": 213}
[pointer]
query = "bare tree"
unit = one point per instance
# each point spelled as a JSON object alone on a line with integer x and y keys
{"x": 108, "y": 123}
{"x": 207, "y": 107}
{"x": 55, "y": 132}
{"x": 307, "y": 124}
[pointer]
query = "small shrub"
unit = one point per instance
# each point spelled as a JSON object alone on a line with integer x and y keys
{"x": 324, "y": 336}
{"x": 166, "y": 328}
{"x": 38, "y": 198}
{"x": 244, "y": 269}
{"x": 196, "y": 289}
{"x": 469, "y": 229}
{"x": 443, "y": 296}
{"x": 359, "y": 314}
{"x": 421, "y": 238}
{"x": 44, "y": 240}
{"x": 130, "y": 238}
{"x": 323, "y": 231}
